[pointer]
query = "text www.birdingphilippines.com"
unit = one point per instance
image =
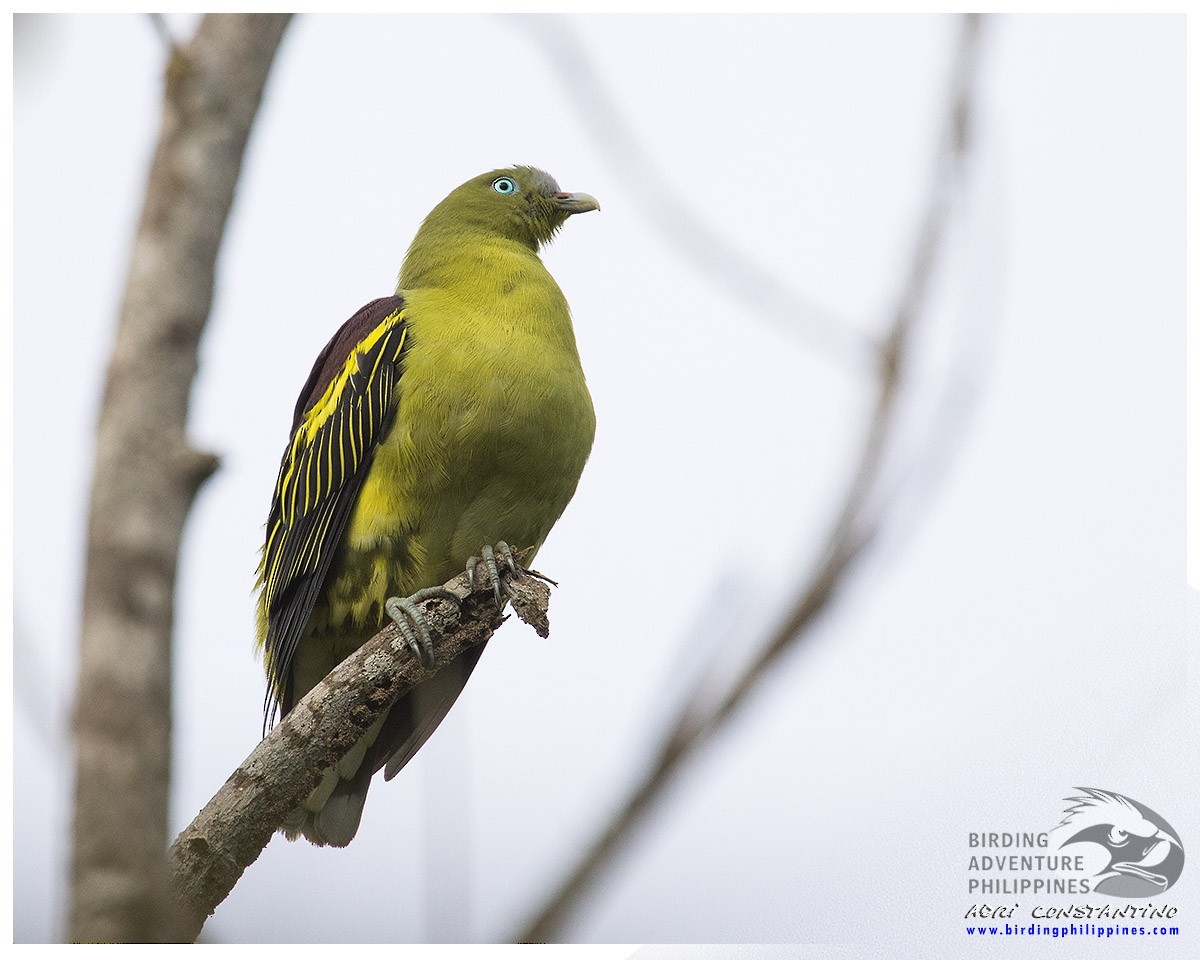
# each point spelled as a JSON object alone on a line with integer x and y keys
{"x": 1063, "y": 931}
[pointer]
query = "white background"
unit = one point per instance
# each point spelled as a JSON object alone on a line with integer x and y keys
{"x": 1019, "y": 632}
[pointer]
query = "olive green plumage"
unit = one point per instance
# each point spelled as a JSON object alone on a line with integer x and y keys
{"x": 447, "y": 417}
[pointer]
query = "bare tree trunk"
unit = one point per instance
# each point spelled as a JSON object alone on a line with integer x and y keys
{"x": 145, "y": 480}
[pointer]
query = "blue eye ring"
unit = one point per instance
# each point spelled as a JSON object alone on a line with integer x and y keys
{"x": 504, "y": 185}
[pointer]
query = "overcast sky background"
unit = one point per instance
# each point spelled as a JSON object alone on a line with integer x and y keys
{"x": 1020, "y": 631}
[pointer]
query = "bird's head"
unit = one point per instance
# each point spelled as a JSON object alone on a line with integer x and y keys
{"x": 1141, "y": 855}
{"x": 518, "y": 203}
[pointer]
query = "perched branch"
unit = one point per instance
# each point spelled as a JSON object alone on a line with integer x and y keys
{"x": 146, "y": 477}
{"x": 209, "y": 857}
{"x": 854, "y": 528}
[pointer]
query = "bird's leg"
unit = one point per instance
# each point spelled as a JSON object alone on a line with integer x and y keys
{"x": 492, "y": 558}
{"x": 411, "y": 622}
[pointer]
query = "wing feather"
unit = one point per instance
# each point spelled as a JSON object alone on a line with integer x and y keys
{"x": 316, "y": 490}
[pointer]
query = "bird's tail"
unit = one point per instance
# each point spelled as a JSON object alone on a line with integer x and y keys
{"x": 331, "y": 814}
{"x": 335, "y": 822}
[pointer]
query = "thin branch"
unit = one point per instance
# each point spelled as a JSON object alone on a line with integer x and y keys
{"x": 146, "y": 478}
{"x": 948, "y": 426}
{"x": 853, "y": 530}
{"x": 856, "y": 526}
{"x": 707, "y": 250}
{"x": 159, "y": 22}
{"x": 210, "y": 855}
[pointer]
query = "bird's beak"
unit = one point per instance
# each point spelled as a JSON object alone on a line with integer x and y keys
{"x": 576, "y": 202}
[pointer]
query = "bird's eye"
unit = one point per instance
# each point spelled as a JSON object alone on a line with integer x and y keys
{"x": 504, "y": 185}
{"x": 1117, "y": 837}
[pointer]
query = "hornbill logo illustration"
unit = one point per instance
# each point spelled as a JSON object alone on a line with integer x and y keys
{"x": 1145, "y": 856}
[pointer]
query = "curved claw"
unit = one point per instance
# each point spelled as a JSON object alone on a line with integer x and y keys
{"x": 413, "y": 626}
{"x": 506, "y": 555}
{"x": 492, "y": 563}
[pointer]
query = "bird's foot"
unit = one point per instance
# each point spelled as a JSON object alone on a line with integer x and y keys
{"x": 491, "y": 560}
{"x": 410, "y": 621}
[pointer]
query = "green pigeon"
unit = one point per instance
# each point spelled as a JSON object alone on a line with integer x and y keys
{"x": 439, "y": 425}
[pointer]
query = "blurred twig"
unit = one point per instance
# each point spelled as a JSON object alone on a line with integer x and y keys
{"x": 967, "y": 370}
{"x": 146, "y": 477}
{"x": 159, "y": 22}
{"x": 709, "y": 252}
{"x": 856, "y": 525}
